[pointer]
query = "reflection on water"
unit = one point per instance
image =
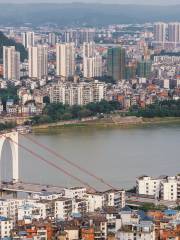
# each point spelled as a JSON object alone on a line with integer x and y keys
{"x": 117, "y": 155}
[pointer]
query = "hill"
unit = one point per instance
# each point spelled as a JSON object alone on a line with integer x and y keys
{"x": 5, "y": 41}
{"x": 78, "y": 14}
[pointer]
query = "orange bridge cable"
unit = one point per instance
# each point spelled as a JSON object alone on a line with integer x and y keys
{"x": 53, "y": 165}
{"x": 68, "y": 161}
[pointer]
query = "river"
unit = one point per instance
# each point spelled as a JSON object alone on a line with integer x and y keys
{"x": 116, "y": 155}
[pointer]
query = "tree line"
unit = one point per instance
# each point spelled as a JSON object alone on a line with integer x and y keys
{"x": 166, "y": 108}
{"x": 54, "y": 112}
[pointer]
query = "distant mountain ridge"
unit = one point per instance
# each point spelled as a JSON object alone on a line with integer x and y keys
{"x": 5, "y": 41}
{"x": 76, "y": 14}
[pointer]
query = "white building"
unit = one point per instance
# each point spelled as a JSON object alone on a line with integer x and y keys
{"x": 92, "y": 66}
{"x": 92, "y": 61}
{"x": 38, "y": 61}
{"x": 166, "y": 188}
{"x": 89, "y": 49}
{"x": 28, "y": 39}
{"x": 99, "y": 91}
{"x": 134, "y": 226}
{"x": 140, "y": 231}
{"x": 160, "y": 32}
{"x": 32, "y": 210}
{"x": 11, "y": 63}
{"x": 95, "y": 201}
{"x": 169, "y": 189}
{"x": 72, "y": 232}
{"x": 1, "y": 107}
{"x": 6, "y": 225}
{"x": 166, "y": 83}
{"x": 146, "y": 185}
{"x": 76, "y": 192}
{"x": 79, "y": 206}
{"x": 65, "y": 59}
{"x": 62, "y": 208}
{"x": 115, "y": 198}
{"x": 78, "y": 94}
{"x": 174, "y": 32}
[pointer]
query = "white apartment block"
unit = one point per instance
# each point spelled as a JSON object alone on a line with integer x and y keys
{"x": 62, "y": 208}
{"x": 140, "y": 231}
{"x": 92, "y": 66}
{"x": 76, "y": 192}
{"x": 38, "y": 61}
{"x": 19, "y": 209}
{"x": 115, "y": 198}
{"x": 160, "y": 32}
{"x": 11, "y": 63}
{"x": 79, "y": 94}
{"x": 148, "y": 186}
{"x": 174, "y": 32}
{"x": 169, "y": 189}
{"x": 65, "y": 59}
{"x": 6, "y": 225}
{"x": 1, "y": 108}
{"x": 85, "y": 94}
{"x": 89, "y": 49}
{"x": 79, "y": 206}
{"x": 132, "y": 225}
{"x": 32, "y": 210}
{"x": 92, "y": 61}
{"x": 95, "y": 201}
{"x": 166, "y": 188}
{"x": 99, "y": 91}
{"x": 4, "y": 208}
{"x": 28, "y": 39}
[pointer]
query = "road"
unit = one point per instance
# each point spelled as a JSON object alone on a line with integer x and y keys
{"x": 29, "y": 187}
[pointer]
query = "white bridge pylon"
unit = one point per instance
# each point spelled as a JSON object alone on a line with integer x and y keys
{"x": 12, "y": 137}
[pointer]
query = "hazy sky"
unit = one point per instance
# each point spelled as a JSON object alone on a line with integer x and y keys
{"x": 146, "y": 2}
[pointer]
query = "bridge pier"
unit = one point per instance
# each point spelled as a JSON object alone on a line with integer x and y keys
{"x": 13, "y": 139}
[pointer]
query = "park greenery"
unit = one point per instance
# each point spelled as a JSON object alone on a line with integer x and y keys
{"x": 7, "y": 125}
{"x": 167, "y": 108}
{"x": 151, "y": 206}
{"x": 9, "y": 93}
{"x": 57, "y": 111}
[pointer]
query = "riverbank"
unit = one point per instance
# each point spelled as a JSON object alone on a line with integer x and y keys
{"x": 113, "y": 121}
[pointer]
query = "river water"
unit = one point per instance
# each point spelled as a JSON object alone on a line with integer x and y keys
{"x": 116, "y": 155}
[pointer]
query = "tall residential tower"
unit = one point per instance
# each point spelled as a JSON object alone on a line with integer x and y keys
{"x": 116, "y": 61}
{"x": 28, "y": 39}
{"x": 65, "y": 59}
{"x": 38, "y": 61}
{"x": 11, "y": 63}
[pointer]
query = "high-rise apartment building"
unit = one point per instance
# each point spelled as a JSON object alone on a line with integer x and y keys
{"x": 174, "y": 32}
{"x": 11, "y": 63}
{"x": 160, "y": 32}
{"x": 79, "y": 36}
{"x": 89, "y": 49}
{"x": 144, "y": 68}
{"x": 92, "y": 61}
{"x": 116, "y": 60}
{"x": 65, "y": 59}
{"x": 38, "y": 61}
{"x": 28, "y": 39}
{"x": 92, "y": 66}
{"x": 52, "y": 39}
{"x": 86, "y": 35}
